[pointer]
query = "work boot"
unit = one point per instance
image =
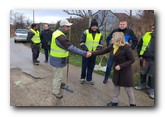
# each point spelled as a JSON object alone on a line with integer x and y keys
{"x": 105, "y": 81}
{"x": 35, "y": 63}
{"x": 82, "y": 81}
{"x": 151, "y": 93}
{"x": 62, "y": 85}
{"x": 58, "y": 95}
{"x": 112, "y": 104}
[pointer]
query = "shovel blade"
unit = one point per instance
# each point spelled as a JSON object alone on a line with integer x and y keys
{"x": 67, "y": 89}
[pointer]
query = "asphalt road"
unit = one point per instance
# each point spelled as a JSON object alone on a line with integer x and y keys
{"x": 32, "y": 85}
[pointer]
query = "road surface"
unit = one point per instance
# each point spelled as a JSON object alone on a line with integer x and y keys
{"x": 32, "y": 85}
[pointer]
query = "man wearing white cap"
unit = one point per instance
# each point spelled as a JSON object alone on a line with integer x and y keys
{"x": 60, "y": 47}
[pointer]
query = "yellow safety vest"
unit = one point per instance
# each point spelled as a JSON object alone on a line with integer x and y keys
{"x": 36, "y": 37}
{"x": 90, "y": 42}
{"x": 146, "y": 40}
{"x": 56, "y": 51}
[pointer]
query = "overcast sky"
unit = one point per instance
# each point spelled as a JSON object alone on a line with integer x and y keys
{"x": 50, "y": 16}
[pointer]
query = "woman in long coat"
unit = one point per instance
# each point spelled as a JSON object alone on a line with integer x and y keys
{"x": 123, "y": 75}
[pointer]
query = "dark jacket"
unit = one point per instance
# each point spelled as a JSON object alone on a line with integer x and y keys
{"x": 64, "y": 43}
{"x": 124, "y": 58}
{"x": 46, "y": 36}
{"x": 128, "y": 35}
{"x": 29, "y": 37}
{"x": 150, "y": 50}
{"x": 83, "y": 40}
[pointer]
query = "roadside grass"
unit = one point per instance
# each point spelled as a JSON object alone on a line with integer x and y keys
{"x": 76, "y": 60}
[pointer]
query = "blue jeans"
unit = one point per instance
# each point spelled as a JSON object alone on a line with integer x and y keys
{"x": 88, "y": 65}
{"x": 108, "y": 68}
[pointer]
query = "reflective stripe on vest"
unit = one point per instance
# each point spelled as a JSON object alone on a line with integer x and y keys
{"x": 36, "y": 37}
{"x": 90, "y": 42}
{"x": 146, "y": 40}
{"x": 56, "y": 51}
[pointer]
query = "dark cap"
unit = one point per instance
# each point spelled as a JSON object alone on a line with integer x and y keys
{"x": 94, "y": 23}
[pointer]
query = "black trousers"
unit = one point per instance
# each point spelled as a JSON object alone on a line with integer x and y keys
{"x": 35, "y": 51}
{"x": 47, "y": 51}
{"x": 88, "y": 65}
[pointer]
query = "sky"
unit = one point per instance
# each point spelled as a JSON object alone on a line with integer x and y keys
{"x": 50, "y": 16}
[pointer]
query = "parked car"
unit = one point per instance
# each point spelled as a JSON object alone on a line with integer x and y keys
{"x": 20, "y": 35}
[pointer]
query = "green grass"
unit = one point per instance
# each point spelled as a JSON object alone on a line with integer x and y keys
{"x": 76, "y": 60}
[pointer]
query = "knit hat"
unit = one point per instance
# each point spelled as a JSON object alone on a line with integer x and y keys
{"x": 94, "y": 23}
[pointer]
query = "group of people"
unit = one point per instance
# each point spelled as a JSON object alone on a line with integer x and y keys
{"x": 35, "y": 38}
{"x": 120, "y": 43}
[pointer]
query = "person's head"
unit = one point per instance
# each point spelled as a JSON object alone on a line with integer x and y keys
{"x": 94, "y": 25}
{"x": 118, "y": 38}
{"x": 123, "y": 24}
{"x": 46, "y": 26}
{"x": 65, "y": 24}
{"x": 35, "y": 26}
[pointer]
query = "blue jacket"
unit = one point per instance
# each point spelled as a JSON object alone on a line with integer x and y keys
{"x": 64, "y": 43}
{"x": 129, "y": 36}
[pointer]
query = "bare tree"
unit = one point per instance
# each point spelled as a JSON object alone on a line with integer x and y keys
{"x": 142, "y": 22}
{"x": 19, "y": 20}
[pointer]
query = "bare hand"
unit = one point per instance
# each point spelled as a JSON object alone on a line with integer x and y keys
{"x": 88, "y": 54}
{"x": 117, "y": 68}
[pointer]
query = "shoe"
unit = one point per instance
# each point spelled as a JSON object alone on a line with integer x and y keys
{"x": 151, "y": 95}
{"x": 90, "y": 82}
{"x": 112, "y": 104}
{"x": 105, "y": 81}
{"x": 82, "y": 81}
{"x": 58, "y": 95}
{"x": 140, "y": 87}
{"x": 62, "y": 85}
{"x": 35, "y": 63}
{"x": 46, "y": 61}
{"x": 132, "y": 104}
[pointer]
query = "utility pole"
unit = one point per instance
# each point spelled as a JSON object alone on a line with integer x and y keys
{"x": 130, "y": 18}
{"x": 90, "y": 16}
{"x": 33, "y": 16}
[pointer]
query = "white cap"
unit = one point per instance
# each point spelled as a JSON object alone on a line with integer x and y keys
{"x": 65, "y": 22}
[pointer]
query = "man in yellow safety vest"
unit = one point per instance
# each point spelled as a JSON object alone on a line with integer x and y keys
{"x": 60, "y": 47}
{"x": 91, "y": 40}
{"x": 145, "y": 49}
{"x": 34, "y": 38}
